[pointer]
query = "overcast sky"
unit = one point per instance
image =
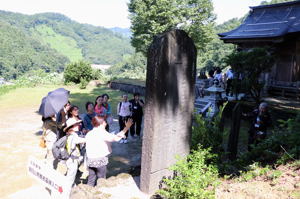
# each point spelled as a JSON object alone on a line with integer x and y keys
{"x": 111, "y": 13}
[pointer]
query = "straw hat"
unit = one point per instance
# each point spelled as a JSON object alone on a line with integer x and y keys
{"x": 71, "y": 122}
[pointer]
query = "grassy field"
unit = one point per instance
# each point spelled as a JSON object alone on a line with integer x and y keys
{"x": 31, "y": 97}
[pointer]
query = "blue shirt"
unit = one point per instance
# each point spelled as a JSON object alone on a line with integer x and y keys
{"x": 87, "y": 121}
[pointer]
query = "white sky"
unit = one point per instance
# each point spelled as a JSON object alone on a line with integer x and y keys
{"x": 111, "y": 13}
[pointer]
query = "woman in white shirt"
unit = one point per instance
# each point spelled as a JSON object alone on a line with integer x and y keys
{"x": 98, "y": 148}
{"x": 124, "y": 112}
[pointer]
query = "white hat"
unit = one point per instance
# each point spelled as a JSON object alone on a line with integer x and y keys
{"x": 71, "y": 122}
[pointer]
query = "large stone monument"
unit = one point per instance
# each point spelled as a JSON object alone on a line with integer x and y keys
{"x": 170, "y": 86}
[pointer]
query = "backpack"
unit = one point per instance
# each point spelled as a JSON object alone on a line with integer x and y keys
{"x": 59, "y": 149}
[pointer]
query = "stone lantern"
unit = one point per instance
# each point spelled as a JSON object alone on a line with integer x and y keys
{"x": 215, "y": 92}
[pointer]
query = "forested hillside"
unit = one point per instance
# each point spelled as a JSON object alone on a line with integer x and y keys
{"x": 51, "y": 40}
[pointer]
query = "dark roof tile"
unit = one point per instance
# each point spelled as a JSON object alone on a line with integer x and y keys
{"x": 267, "y": 22}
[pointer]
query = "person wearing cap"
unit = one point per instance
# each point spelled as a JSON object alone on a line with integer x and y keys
{"x": 72, "y": 146}
{"x": 98, "y": 147}
{"x": 261, "y": 120}
{"x": 124, "y": 113}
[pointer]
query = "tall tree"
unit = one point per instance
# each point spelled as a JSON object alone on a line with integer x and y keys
{"x": 250, "y": 65}
{"x": 152, "y": 17}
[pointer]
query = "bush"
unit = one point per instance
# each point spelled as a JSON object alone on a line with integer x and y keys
{"x": 279, "y": 148}
{"x": 38, "y": 77}
{"x": 32, "y": 79}
{"x": 208, "y": 132}
{"x": 83, "y": 83}
{"x": 77, "y": 70}
{"x": 97, "y": 74}
{"x": 131, "y": 67}
{"x": 194, "y": 177}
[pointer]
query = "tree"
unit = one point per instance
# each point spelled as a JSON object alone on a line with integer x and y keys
{"x": 78, "y": 71}
{"x": 132, "y": 67}
{"x": 251, "y": 64}
{"x": 152, "y": 17}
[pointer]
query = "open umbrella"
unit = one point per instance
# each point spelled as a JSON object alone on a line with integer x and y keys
{"x": 54, "y": 102}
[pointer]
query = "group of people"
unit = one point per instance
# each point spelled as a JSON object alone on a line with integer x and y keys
{"x": 87, "y": 137}
{"x": 225, "y": 79}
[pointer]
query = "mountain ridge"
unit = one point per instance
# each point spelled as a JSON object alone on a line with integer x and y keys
{"x": 66, "y": 39}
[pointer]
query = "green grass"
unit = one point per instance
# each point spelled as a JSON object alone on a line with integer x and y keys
{"x": 31, "y": 97}
{"x": 64, "y": 45}
{"x": 6, "y": 88}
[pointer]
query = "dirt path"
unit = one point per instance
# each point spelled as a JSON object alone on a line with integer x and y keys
{"x": 20, "y": 135}
{"x": 19, "y": 139}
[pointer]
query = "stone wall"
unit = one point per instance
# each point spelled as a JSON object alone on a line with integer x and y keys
{"x": 128, "y": 88}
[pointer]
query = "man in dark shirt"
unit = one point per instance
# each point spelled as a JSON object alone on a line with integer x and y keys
{"x": 137, "y": 115}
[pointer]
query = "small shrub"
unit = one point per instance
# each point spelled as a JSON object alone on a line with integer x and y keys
{"x": 195, "y": 177}
{"x": 77, "y": 70}
{"x": 252, "y": 171}
{"x": 83, "y": 83}
{"x": 275, "y": 174}
{"x": 208, "y": 133}
{"x": 97, "y": 74}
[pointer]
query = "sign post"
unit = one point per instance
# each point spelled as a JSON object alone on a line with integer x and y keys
{"x": 50, "y": 178}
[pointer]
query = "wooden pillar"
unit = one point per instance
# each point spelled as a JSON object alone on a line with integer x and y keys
{"x": 234, "y": 132}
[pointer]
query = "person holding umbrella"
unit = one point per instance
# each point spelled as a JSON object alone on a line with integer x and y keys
{"x": 49, "y": 135}
{"x": 54, "y": 102}
{"x": 50, "y": 106}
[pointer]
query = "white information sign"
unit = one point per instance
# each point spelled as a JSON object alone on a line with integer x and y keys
{"x": 49, "y": 177}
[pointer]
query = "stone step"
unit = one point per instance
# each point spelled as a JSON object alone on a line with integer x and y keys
{"x": 202, "y": 102}
{"x": 197, "y": 106}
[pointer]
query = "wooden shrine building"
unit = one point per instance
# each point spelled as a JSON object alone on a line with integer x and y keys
{"x": 276, "y": 26}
